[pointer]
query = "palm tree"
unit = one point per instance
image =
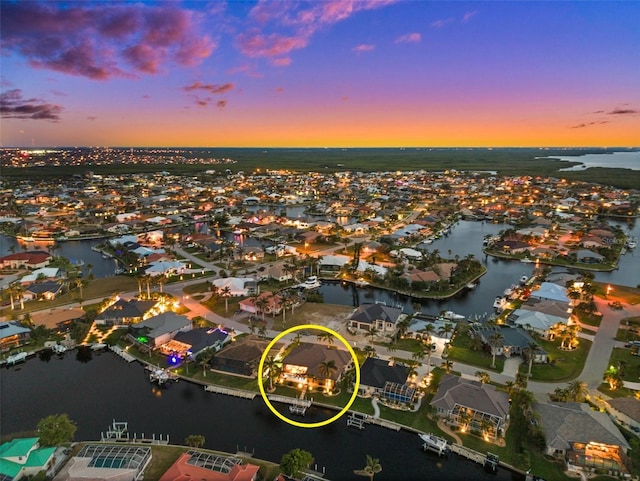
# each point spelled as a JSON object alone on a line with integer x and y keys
{"x": 510, "y": 386}
{"x": 327, "y": 369}
{"x": 475, "y": 343}
{"x": 578, "y": 390}
{"x": 203, "y": 361}
{"x": 494, "y": 340}
{"x": 419, "y": 355}
{"x": 274, "y": 368}
{"x": 372, "y": 331}
{"x": 326, "y": 337}
{"x": 446, "y": 330}
{"x": 402, "y": 326}
{"x": 530, "y": 353}
{"x": 261, "y": 304}
{"x": 484, "y": 377}
{"x": 225, "y": 292}
{"x": 372, "y": 468}
{"x": 447, "y": 365}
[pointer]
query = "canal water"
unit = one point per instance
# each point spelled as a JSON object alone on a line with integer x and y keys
{"x": 96, "y": 391}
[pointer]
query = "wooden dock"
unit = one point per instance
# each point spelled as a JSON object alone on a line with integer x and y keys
{"x": 122, "y": 353}
{"x": 230, "y": 391}
{"x": 358, "y": 420}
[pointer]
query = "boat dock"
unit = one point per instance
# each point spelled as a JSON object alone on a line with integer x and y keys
{"x": 358, "y": 420}
{"x": 230, "y": 392}
{"x": 296, "y": 406}
{"x": 122, "y": 353}
{"x": 160, "y": 375}
{"x": 434, "y": 443}
{"x": 15, "y": 358}
{"x": 489, "y": 461}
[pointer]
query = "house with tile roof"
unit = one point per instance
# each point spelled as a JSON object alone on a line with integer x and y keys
{"x": 472, "y": 406}
{"x": 385, "y": 379}
{"x": 125, "y": 311}
{"x": 378, "y": 316}
{"x": 23, "y": 457}
{"x": 582, "y": 436}
{"x": 202, "y": 466}
{"x": 626, "y": 411}
{"x": 304, "y": 365}
{"x": 28, "y": 259}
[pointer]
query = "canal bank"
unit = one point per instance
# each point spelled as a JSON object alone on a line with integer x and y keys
{"x": 95, "y": 391}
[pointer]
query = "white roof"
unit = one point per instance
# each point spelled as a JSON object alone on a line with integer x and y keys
{"x": 549, "y": 290}
{"x": 236, "y": 285}
{"x": 537, "y": 320}
{"x": 45, "y": 271}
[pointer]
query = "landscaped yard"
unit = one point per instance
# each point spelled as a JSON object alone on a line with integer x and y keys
{"x": 461, "y": 351}
{"x": 563, "y": 365}
{"x": 624, "y": 294}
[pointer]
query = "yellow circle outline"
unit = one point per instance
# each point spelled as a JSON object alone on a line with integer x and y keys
{"x": 261, "y": 383}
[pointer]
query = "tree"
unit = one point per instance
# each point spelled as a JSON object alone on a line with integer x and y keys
{"x": 261, "y": 303}
{"x": 371, "y": 332}
{"x": 447, "y": 365}
{"x": 194, "y": 440}
{"x": 483, "y": 376}
{"x": 327, "y": 369}
{"x": 293, "y": 462}
{"x": 530, "y": 354}
{"x": 372, "y": 468}
{"x": 326, "y": 337}
{"x": 494, "y": 341}
{"x": 225, "y": 292}
{"x": 274, "y": 367}
{"x": 577, "y": 390}
{"x": 55, "y": 429}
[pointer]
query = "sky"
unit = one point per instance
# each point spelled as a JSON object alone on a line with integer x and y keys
{"x": 333, "y": 73}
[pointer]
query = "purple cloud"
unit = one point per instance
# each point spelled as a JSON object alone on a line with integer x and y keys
{"x": 13, "y": 105}
{"x": 101, "y": 40}
{"x": 589, "y": 124}
{"x": 620, "y": 111}
{"x": 363, "y": 47}
{"x": 468, "y": 16}
{"x": 442, "y": 22}
{"x": 211, "y": 88}
{"x": 414, "y": 37}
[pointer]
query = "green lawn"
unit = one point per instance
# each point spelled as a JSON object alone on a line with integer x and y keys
{"x": 628, "y": 365}
{"x": 460, "y": 351}
{"x": 624, "y": 294}
{"x": 563, "y": 365}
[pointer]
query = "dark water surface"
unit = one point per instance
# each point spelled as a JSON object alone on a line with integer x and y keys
{"x": 105, "y": 388}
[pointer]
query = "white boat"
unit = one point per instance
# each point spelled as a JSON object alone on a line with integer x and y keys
{"x": 58, "y": 348}
{"x": 509, "y": 290}
{"x": 311, "y": 283}
{"x": 632, "y": 243}
{"x": 499, "y": 303}
{"x": 361, "y": 283}
{"x": 16, "y": 358}
{"x": 526, "y": 260}
{"x": 471, "y": 285}
{"x": 434, "y": 443}
{"x": 98, "y": 346}
{"x": 452, "y": 316}
{"x": 524, "y": 279}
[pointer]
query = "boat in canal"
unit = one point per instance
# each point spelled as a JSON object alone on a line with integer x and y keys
{"x": 434, "y": 443}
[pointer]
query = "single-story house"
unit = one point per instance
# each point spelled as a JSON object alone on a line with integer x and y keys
{"x": 470, "y": 405}
{"x": 23, "y": 457}
{"x": 385, "y": 379}
{"x": 47, "y": 290}
{"x": 236, "y": 286}
{"x": 28, "y": 259}
{"x": 541, "y": 323}
{"x": 158, "y": 330}
{"x": 551, "y": 292}
{"x": 266, "y": 302}
{"x": 12, "y": 334}
{"x": 626, "y": 411}
{"x": 514, "y": 341}
{"x": 305, "y": 365}
{"x": 378, "y": 316}
{"x": 125, "y": 312}
{"x": 106, "y": 462}
{"x": 242, "y": 356}
{"x": 583, "y": 437}
{"x": 209, "y": 467}
{"x": 42, "y": 274}
{"x": 587, "y": 256}
{"x": 195, "y": 342}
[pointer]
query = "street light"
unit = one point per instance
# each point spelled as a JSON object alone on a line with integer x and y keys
{"x": 608, "y": 289}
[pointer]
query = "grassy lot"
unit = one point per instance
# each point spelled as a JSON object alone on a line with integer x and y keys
{"x": 563, "y": 365}
{"x": 312, "y": 313}
{"x": 162, "y": 458}
{"x": 629, "y": 329}
{"x": 460, "y": 351}
{"x": 589, "y": 319}
{"x": 628, "y": 365}
{"x": 405, "y": 344}
{"x": 624, "y": 294}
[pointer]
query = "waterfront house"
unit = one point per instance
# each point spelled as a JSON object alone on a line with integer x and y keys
{"x": 378, "y": 316}
{"x": 42, "y": 274}
{"x": 195, "y": 342}
{"x": 201, "y": 466}
{"x": 158, "y": 330}
{"x": 472, "y": 406}
{"x": 242, "y": 356}
{"x": 125, "y": 312}
{"x": 542, "y": 316}
{"x": 385, "y": 379}
{"x": 551, "y": 292}
{"x": 304, "y": 365}
{"x": 272, "y": 304}
{"x": 626, "y": 411}
{"x": 29, "y": 259}
{"x": 582, "y": 436}
{"x": 587, "y": 256}
{"x": 13, "y": 334}
{"x": 23, "y": 457}
{"x": 106, "y": 462}
{"x": 235, "y": 286}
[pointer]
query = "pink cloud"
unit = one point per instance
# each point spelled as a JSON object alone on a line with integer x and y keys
{"x": 221, "y": 104}
{"x": 468, "y": 16}
{"x": 363, "y": 48}
{"x": 442, "y": 22}
{"x": 101, "y": 40}
{"x": 281, "y": 62}
{"x": 212, "y": 88}
{"x": 279, "y": 90}
{"x": 414, "y": 37}
{"x": 302, "y": 19}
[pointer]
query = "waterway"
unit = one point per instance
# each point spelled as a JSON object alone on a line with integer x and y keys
{"x": 96, "y": 391}
{"x": 619, "y": 160}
